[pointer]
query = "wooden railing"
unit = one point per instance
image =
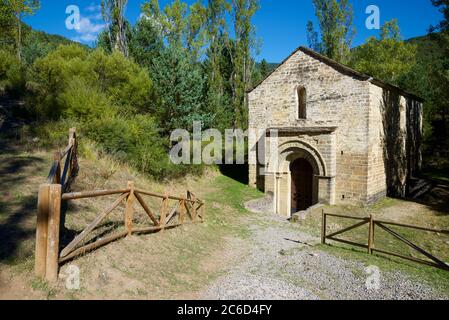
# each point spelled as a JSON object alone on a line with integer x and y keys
{"x": 168, "y": 218}
{"x": 63, "y": 173}
{"x": 48, "y": 255}
{"x": 371, "y": 246}
{"x": 48, "y": 221}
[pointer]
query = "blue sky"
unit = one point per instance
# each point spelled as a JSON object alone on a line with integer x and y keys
{"x": 280, "y": 24}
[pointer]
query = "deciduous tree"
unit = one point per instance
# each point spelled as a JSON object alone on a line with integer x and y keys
{"x": 335, "y": 20}
{"x": 19, "y": 9}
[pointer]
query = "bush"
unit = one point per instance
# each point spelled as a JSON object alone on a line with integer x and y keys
{"x": 73, "y": 82}
{"x": 12, "y": 78}
{"x": 137, "y": 141}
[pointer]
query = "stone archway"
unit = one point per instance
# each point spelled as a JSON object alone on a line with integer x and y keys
{"x": 291, "y": 154}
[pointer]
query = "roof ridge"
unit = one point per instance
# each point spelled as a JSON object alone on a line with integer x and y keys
{"x": 342, "y": 68}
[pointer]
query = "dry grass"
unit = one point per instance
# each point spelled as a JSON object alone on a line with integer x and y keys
{"x": 169, "y": 265}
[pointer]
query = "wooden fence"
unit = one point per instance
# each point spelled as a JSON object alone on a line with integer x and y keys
{"x": 48, "y": 255}
{"x": 371, "y": 246}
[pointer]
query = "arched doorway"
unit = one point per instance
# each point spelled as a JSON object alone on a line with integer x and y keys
{"x": 301, "y": 185}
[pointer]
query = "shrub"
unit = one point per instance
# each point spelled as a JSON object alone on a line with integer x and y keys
{"x": 137, "y": 141}
{"x": 12, "y": 78}
{"x": 71, "y": 81}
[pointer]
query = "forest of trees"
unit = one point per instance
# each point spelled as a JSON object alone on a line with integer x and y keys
{"x": 182, "y": 63}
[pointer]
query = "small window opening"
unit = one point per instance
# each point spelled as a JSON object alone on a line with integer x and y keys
{"x": 302, "y": 102}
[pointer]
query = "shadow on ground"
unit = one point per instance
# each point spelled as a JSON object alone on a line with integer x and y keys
{"x": 437, "y": 198}
{"x": 17, "y": 206}
{"x": 239, "y": 173}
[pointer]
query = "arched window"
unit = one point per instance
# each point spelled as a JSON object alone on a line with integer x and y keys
{"x": 302, "y": 102}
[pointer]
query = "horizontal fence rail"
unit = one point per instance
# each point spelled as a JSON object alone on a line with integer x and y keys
{"x": 48, "y": 256}
{"x": 370, "y": 245}
{"x": 167, "y": 218}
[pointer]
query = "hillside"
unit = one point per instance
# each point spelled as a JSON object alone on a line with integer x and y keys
{"x": 428, "y": 47}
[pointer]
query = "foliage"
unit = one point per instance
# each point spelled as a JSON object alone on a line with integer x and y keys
{"x": 19, "y": 9}
{"x": 200, "y": 33}
{"x": 242, "y": 13}
{"x": 387, "y": 58}
{"x": 145, "y": 42}
{"x": 335, "y": 19}
{"x": 179, "y": 87}
{"x": 73, "y": 82}
{"x": 113, "y": 12}
{"x": 443, "y": 6}
{"x": 6, "y": 24}
{"x": 135, "y": 140}
{"x": 11, "y": 73}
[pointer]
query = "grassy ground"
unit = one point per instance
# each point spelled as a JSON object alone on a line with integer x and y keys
{"x": 390, "y": 210}
{"x": 172, "y": 264}
{"x": 175, "y": 264}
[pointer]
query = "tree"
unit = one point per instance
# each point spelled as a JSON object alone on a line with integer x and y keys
{"x": 388, "y": 57}
{"x": 443, "y": 6}
{"x": 242, "y": 14}
{"x": 21, "y": 8}
{"x": 113, "y": 12}
{"x": 196, "y": 34}
{"x": 216, "y": 37}
{"x": 335, "y": 19}
{"x": 179, "y": 86}
{"x": 6, "y": 24}
{"x": 145, "y": 42}
{"x": 264, "y": 68}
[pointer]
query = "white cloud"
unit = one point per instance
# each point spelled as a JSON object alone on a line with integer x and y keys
{"x": 87, "y": 26}
{"x": 90, "y": 25}
{"x": 93, "y": 7}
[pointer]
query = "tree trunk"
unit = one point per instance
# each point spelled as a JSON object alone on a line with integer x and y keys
{"x": 19, "y": 37}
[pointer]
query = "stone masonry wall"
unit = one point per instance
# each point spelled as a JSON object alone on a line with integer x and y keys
{"x": 394, "y": 143}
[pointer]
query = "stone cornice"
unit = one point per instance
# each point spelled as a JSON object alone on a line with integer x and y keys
{"x": 302, "y": 130}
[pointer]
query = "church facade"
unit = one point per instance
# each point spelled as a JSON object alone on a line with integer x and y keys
{"x": 329, "y": 134}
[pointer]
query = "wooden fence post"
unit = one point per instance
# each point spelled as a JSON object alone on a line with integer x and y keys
{"x": 74, "y": 161}
{"x": 41, "y": 230}
{"x": 193, "y": 204}
{"x": 54, "y": 216}
{"x": 164, "y": 210}
{"x": 323, "y": 227}
{"x": 371, "y": 235}
{"x": 182, "y": 211}
{"x": 57, "y": 158}
{"x": 129, "y": 210}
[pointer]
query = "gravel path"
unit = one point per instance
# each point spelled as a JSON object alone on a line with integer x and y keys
{"x": 283, "y": 263}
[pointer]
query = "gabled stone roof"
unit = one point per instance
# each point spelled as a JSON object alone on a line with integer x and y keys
{"x": 344, "y": 70}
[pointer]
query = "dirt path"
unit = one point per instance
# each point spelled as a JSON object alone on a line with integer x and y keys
{"x": 278, "y": 261}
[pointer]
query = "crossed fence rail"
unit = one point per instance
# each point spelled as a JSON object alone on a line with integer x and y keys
{"x": 48, "y": 255}
{"x": 384, "y": 225}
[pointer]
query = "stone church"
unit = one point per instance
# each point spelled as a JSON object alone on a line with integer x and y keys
{"x": 342, "y": 137}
